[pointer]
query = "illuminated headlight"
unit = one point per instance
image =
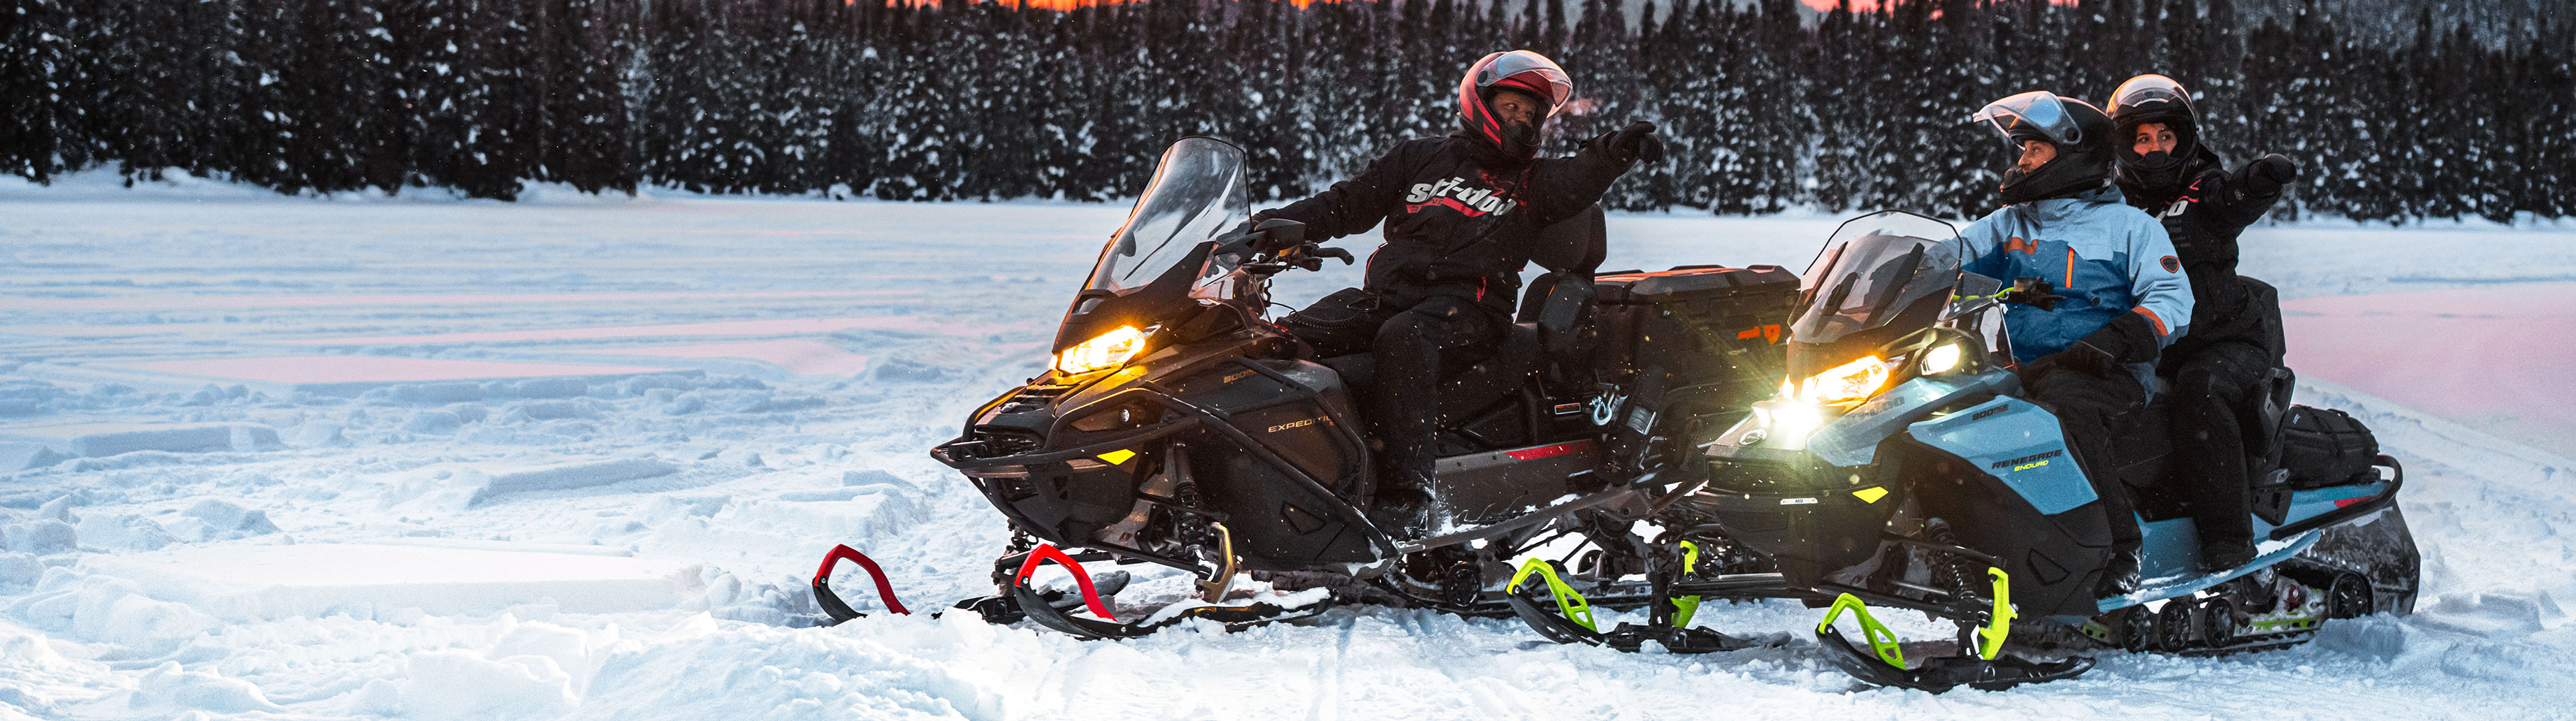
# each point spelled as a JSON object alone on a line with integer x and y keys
{"x": 1788, "y": 421}
{"x": 1110, "y": 350}
{"x": 1941, "y": 359}
{"x": 1846, "y": 383}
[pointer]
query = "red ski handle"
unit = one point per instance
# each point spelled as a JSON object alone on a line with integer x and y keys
{"x": 1047, "y": 552}
{"x": 831, "y": 602}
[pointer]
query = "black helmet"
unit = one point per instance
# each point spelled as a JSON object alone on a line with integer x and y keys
{"x": 2081, "y": 132}
{"x": 2154, "y": 99}
{"x": 1519, "y": 70}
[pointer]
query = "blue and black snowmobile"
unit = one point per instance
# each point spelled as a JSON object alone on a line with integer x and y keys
{"x": 1899, "y": 468}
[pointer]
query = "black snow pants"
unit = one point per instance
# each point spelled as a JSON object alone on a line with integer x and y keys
{"x": 1414, "y": 347}
{"x": 2213, "y": 391}
{"x": 2089, "y": 409}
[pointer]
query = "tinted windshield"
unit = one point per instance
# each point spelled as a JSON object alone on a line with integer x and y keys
{"x": 1875, "y": 266}
{"x": 1197, "y": 193}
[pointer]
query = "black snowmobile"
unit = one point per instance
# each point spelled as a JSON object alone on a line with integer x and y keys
{"x": 1897, "y": 468}
{"x": 1177, "y": 426}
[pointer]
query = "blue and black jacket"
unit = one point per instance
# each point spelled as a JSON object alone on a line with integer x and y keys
{"x": 2108, "y": 259}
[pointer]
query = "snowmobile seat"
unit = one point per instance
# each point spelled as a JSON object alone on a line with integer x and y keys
{"x": 1560, "y": 304}
{"x": 1490, "y": 380}
{"x": 1473, "y": 389}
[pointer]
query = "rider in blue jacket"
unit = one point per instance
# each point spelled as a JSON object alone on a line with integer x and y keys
{"x": 2090, "y": 358}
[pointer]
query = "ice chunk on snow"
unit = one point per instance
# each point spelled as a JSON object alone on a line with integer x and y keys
{"x": 18, "y": 570}
{"x": 569, "y": 475}
{"x": 93, "y": 440}
{"x": 43, "y": 537}
{"x": 170, "y": 687}
{"x": 363, "y": 580}
{"x": 22, "y": 455}
{"x": 220, "y": 519}
{"x": 122, "y": 532}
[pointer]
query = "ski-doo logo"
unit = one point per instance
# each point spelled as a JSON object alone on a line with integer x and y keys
{"x": 1456, "y": 195}
{"x": 2030, "y": 461}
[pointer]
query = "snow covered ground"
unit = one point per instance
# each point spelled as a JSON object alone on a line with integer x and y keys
{"x": 266, "y": 457}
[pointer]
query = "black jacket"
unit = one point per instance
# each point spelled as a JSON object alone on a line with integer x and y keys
{"x": 2204, "y": 218}
{"x": 1458, "y": 215}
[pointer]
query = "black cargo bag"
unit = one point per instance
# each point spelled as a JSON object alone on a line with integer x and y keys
{"x": 2325, "y": 447}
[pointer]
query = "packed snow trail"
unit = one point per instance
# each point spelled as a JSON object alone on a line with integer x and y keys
{"x": 651, "y": 415}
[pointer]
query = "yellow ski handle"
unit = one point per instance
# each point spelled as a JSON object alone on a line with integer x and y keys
{"x": 1881, "y": 641}
{"x": 1686, "y": 606}
{"x": 1567, "y": 601}
{"x": 1990, "y": 640}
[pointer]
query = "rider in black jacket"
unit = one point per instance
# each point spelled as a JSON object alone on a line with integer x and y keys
{"x": 1440, "y": 290}
{"x": 2219, "y": 370}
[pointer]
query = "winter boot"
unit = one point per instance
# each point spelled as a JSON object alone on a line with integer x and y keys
{"x": 2119, "y": 573}
{"x": 2220, "y": 554}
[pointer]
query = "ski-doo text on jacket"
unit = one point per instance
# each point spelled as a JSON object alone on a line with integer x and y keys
{"x": 2105, "y": 257}
{"x": 1446, "y": 202}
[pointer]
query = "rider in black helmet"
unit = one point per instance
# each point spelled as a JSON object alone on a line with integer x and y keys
{"x": 1440, "y": 290}
{"x": 2219, "y": 371}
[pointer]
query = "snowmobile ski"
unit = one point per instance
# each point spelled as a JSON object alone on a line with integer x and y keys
{"x": 832, "y": 604}
{"x": 1981, "y": 666}
{"x": 1573, "y": 622}
{"x": 1105, "y": 624}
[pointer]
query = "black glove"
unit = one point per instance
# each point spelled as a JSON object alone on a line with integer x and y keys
{"x": 2267, "y": 174}
{"x": 1633, "y": 143}
{"x": 1260, "y": 242}
{"x": 2130, "y": 338}
{"x": 2081, "y": 358}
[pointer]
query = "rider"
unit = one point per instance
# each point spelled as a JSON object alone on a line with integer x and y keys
{"x": 2087, "y": 359}
{"x": 1441, "y": 288}
{"x": 2223, "y": 367}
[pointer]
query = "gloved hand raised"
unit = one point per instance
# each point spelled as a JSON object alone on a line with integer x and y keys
{"x": 1633, "y": 143}
{"x": 2267, "y": 174}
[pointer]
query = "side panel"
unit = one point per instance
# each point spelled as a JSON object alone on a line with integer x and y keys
{"x": 1999, "y": 473}
{"x": 1493, "y": 486}
{"x": 2018, "y": 443}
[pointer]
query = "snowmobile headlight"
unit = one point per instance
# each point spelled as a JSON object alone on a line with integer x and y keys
{"x": 1941, "y": 359}
{"x": 1110, "y": 350}
{"x": 1847, "y": 383}
{"x": 1786, "y": 422}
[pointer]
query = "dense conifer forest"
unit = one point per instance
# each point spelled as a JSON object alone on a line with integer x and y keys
{"x": 1764, "y": 110}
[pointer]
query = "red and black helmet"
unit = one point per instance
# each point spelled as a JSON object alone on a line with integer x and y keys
{"x": 1520, "y": 70}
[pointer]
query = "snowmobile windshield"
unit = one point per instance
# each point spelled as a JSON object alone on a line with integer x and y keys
{"x": 1198, "y": 192}
{"x": 1874, "y": 268}
{"x": 2037, "y": 111}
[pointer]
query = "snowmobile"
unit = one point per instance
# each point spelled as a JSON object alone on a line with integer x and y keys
{"x": 1897, "y": 468}
{"x": 1177, "y": 426}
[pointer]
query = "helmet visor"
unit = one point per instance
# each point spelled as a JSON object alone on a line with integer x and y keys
{"x": 1530, "y": 69}
{"x": 2145, "y": 92}
{"x": 2037, "y": 111}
